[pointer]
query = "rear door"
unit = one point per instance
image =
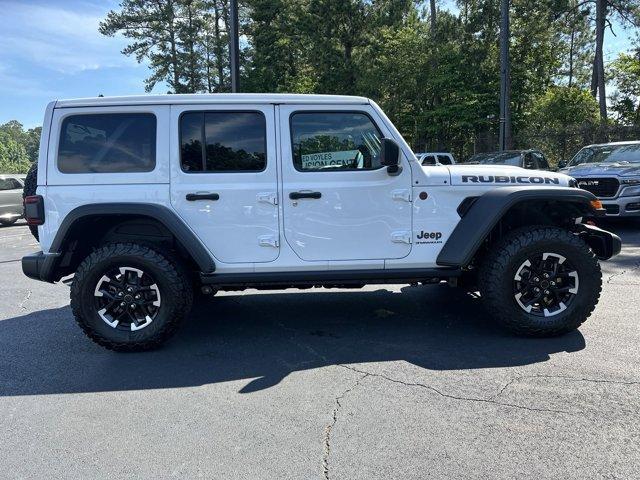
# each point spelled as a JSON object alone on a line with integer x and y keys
{"x": 339, "y": 203}
{"x": 224, "y": 179}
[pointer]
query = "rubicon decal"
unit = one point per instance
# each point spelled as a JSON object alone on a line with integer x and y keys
{"x": 506, "y": 179}
{"x": 429, "y": 237}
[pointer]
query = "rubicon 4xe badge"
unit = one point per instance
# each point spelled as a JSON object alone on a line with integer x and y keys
{"x": 508, "y": 179}
{"x": 429, "y": 237}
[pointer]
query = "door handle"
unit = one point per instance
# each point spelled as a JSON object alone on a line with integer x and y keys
{"x": 192, "y": 197}
{"x": 299, "y": 195}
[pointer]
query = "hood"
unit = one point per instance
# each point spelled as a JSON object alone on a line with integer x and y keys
{"x": 475, "y": 175}
{"x": 603, "y": 169}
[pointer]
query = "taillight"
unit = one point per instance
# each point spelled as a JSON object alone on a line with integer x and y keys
{"x": 34, "y": 209}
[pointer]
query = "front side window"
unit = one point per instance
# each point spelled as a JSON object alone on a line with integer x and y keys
{"x": 108, "y": 143}
{"x": 223, "y": 142}
{"x": 444, "y": 160}
{"x": 326, "y": 141}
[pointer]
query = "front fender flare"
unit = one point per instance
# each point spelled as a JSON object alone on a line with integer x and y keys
{"x": 488, "y": 209}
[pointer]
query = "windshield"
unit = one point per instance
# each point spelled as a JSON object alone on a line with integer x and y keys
{"x": 506, "y": 158}
{"x": 607, "y": 154}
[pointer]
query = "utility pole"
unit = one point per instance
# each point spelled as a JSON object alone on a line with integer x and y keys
{"x": 505, "y": 83}
{"x": 234, "y": 46}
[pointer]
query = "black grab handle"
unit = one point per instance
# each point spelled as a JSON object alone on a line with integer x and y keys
{"x": 298, "y": 195}
{"x": 192, "y": 197}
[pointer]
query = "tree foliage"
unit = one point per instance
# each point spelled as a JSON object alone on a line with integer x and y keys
{"x": 18, "y": 147}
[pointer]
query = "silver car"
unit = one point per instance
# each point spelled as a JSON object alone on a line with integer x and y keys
{"x": 11, "y": 208}
{"x": 611, "y": 171}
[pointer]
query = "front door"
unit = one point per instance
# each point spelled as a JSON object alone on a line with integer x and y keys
{"x": 224, "y": 179}
{"x": 339, "y": 203}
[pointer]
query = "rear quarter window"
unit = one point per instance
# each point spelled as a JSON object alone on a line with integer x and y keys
{"x": 107, "y": 143}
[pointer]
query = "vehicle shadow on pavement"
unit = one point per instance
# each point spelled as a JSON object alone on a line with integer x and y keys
{"x": 264, "y": 337}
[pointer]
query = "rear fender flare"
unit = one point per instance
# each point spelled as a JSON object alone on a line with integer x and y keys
{"x": 169, "y": 219}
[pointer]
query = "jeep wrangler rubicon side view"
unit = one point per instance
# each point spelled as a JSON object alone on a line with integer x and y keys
{"x": 141, "y": 201}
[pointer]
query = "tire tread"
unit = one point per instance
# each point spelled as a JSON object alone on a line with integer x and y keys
{"x": 178, "y": 282}
{"x": 497, "y": 263}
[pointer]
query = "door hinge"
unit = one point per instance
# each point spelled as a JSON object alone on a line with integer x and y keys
{"x": 268, "y": 241}
{"x": 402, "y": 194}
{"x": 401, "y": 237}
{"x": 268, "y": 197}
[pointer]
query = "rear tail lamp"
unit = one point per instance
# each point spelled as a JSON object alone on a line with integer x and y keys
{"x": 34, "y": 209}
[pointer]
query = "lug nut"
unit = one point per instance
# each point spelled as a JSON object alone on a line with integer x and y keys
{"x": 546, "y": 292}
{"x": 546, "y": 275}
{"x": 552, "y": 283}
{"x": 138, "y": 297}
{"x": 122, "y": 304}
{"x": 120, "y": 294}
{"x": 129, "y": 289}
{"x": 536, "y": 279}
{"x": 133, "y": 305}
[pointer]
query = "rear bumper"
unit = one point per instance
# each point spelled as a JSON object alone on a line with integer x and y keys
{"x": 39, "y": 266}
{"x": 604, "y": 244}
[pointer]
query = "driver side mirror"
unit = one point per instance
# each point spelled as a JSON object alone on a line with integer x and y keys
{"x": 390, "y": 156}
{"x": 562, "y": 164}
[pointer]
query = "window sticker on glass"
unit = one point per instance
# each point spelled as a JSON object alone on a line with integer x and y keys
{"x": 334, "y": 141}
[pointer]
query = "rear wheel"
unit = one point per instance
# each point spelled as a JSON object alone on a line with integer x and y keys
{"x": 541, "y": 281}
{"x": 129, "y": 297}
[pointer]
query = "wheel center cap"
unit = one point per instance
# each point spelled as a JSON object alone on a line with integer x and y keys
{"x": 544, "y": 284}
{"x": 128, "y": 298}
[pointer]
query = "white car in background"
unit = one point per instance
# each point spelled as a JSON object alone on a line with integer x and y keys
{"x": 435, "y": 158}
{"x": 11, "y": 208}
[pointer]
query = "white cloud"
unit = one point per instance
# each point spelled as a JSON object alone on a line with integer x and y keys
{"x": 58, "y": 38}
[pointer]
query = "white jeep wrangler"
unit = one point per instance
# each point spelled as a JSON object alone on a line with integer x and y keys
{"x": 146, "y": 199}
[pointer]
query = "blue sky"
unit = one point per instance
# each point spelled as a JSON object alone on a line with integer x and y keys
{"x": 51, "y": 49}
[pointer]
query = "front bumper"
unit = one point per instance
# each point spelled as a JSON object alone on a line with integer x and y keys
{"x": 39, "y": 266}
{"x": 622, "y": 206}
{"x": 603, "y": 243}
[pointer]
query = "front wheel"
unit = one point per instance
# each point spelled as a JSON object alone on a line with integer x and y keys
{"x": 129, "y": 297}
{"x": 541, "y": 281}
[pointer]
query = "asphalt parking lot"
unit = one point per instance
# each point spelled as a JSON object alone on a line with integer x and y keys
{"x": 388, "y": 382}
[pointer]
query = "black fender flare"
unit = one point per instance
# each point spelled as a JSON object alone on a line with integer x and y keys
{"x": 167, "y": 217}
{"x": 489, "y": 208}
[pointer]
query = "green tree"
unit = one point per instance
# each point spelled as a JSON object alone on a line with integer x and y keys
{"x": 18, "y": 147}
{"x": 625, "y": 71}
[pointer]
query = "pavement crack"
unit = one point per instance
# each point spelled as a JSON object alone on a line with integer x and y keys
{"x": 457, "y": 397}
{"x": 329, "y": 428}
{"x": 567, "y": 378}
{"x": 10, "y": 261}
{"x": 635, "y": 266}
{"x": 25, "y": 300}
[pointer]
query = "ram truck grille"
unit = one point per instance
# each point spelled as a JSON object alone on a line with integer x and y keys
{"x": 600, "y": 187}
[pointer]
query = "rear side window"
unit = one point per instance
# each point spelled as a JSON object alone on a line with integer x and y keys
{"x": 108, "y": 143}
{"x": 444, "y": 160}
{"x": 325, "y": 141}
{"x": 9, "y": 184}
{"x": 223, "y": 142}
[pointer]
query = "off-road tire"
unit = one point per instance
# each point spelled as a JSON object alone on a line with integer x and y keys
{"x": 30, "y": 187}
{"x": 497, "y": 273}
{"x": 8, "y": 223}
{"x": 174, "y": 285}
